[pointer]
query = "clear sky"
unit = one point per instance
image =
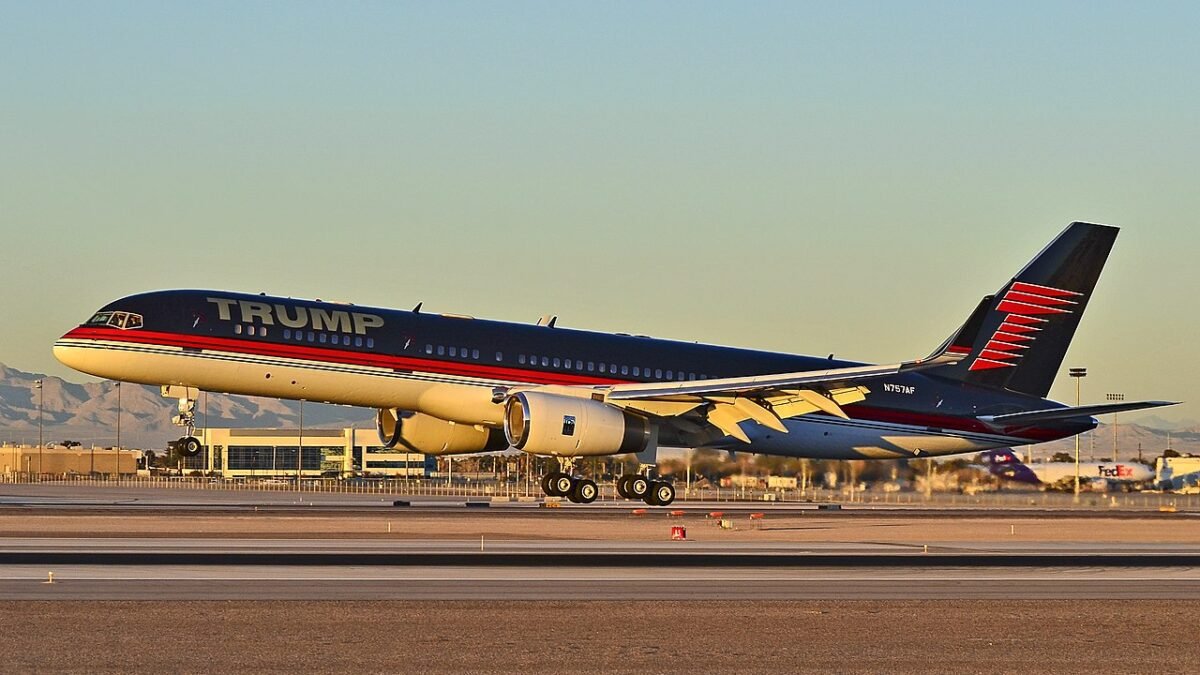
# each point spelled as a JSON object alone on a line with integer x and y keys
{"x": 807, "y": 177}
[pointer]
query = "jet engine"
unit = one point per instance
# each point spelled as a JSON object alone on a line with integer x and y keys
{"x": 551, "y": 424}
{"x": 417, "y": 432}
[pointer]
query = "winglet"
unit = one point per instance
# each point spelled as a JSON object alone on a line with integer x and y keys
{"x": 959, "y": 345}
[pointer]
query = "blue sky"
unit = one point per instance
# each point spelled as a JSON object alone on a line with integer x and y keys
{"x": 806, "y": 177}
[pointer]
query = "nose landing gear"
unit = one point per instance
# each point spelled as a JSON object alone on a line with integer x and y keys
{"x": 188, "y": 445}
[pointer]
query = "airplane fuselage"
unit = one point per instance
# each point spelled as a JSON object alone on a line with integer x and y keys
{"x": 451, "y": 367}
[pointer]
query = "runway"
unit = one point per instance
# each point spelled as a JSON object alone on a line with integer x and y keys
{"x": 239, "y": 569}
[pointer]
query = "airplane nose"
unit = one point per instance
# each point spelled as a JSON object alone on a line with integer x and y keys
{"x": 68, "y": 354}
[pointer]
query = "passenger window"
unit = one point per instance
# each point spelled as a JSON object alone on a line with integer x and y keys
{"x": 658, "y": 373}
{"x": 428, "y": 349}
{"x": 453, "y": 351}
{"x": 358, "y": 342}
{"x": 521, "y": 359}
{"x": 323, "y": 338}
{"x": 475, "y": 354}
{"x": 612, "y": 368}
{"x": 463, "y": 351}
{"x": 578, "y": 365}
{"x": 637, "y": 372}
{"x": 545, "y": 361}
{"x": 237, "y": 329}
{"x": 311, "y": 336}
{"x": 670, "y": 375}
{"x": 624, "y": 370}
{"x": 287, "y": 333}
{"x": 499, "y": 356}
{"x": 262, "y": 331}
{"x": 441, "y": 350}
{"x": 557, "y": 363}
{"x": 691, "y": 376}
{"x": 591, "y": 366}
{"x": 370, "y": 343}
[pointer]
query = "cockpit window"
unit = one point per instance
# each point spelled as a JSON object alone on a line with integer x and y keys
{"x": 122, "y": 320}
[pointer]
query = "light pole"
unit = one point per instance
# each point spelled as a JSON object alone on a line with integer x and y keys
{"x": 38, "y": 384}
{"x": 1115, "y": 398}
{"x": 117, "y": 463}
{"x": 1078, "y": 374}
{"x": 300, "y": 447}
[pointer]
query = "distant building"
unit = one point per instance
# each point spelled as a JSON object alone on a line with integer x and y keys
{"x": 25, "y": 461}
{"x": 1177, "y": 473}
{"x": 325, "y": 453}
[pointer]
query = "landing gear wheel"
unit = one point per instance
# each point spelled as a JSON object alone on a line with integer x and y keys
{"x": 189, "y": 446}
{"x": 546, "y": 485}
{"x": 558, "y": 484}
{"x": 584, "y": 491}
{"x": 638, "y": 487}
{"x": 623, "y": 487}
{"x": 661, "y": 493}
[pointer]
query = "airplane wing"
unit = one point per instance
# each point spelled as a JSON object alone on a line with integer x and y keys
{"x": 1033, "y": 416}
{"x": 758, "y": 384}
{"x": 766, "y": 399}
{"x": 769, "y": 399}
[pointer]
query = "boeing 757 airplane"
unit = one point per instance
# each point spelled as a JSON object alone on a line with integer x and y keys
{"x": 446, "y": 384}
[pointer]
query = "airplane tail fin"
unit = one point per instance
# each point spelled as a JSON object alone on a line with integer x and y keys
{"x": 1004, "y": 463}
{"x": 1021, "y": 333}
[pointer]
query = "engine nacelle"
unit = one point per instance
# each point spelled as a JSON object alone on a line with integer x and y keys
{"x": 428, "y": 435}
{"x": 550, "y": 424}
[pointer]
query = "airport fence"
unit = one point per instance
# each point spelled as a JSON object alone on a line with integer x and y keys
{"x": 530, "y": 491}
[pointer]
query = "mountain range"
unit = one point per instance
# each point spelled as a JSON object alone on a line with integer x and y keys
{"x": 87, "y": 413}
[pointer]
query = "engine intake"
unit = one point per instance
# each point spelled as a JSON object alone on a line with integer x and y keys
{"x": 428, "y": 435}
{"x": 550, "y": 424}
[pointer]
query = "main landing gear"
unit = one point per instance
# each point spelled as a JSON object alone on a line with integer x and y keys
{"x": 188, "y": 445}
{"x": 561, "y": 483}
{"x": 653, "y": 492}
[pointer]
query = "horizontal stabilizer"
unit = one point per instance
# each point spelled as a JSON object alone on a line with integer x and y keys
{"x": 1034, "y": 416}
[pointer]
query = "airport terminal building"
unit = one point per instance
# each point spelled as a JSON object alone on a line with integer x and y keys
{"x": 323, "y": 453}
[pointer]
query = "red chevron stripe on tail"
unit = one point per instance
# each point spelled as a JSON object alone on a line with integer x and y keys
{"x": 1014, "y": 307}
{"x": 1043, "y": 290}
{"x": 981, "y": 363}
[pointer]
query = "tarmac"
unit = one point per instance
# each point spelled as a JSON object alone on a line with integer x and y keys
{"x": 123, "y": 580}
{"x": 120, "y": 544}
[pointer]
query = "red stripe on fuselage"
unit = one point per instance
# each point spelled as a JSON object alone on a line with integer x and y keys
{"x": 328, "y": 355}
